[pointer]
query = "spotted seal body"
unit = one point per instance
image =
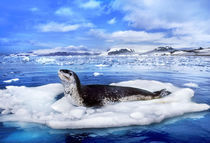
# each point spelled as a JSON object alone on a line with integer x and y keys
{"x": 99, "y": 95}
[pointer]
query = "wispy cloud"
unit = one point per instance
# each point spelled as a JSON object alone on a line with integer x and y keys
{"x": 136, "y": 36}
{"x": 91, "y": 4}
{"x": 62, "y": 27}
{"x": 129, "y": 36}
{"x": 64, "y": 11}
{"x": 57, "y": 27}
{"x": 112, "y": 21}
{"x": 185, "y": 21}
{"x": 151, "y": 14}
{"x": 11, "y": 42}
{"x": 34, "y": 9}
{"x": 143, "y": 39}
{"x": 87, "y": 25}
{"x": 98, "y": 33}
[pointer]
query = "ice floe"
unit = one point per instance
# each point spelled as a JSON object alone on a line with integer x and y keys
{"x": 97, "y": 74}
{"x": 11, "y": 80}
{"x": 190, "y": 84}
{"x": 39, "y": 105}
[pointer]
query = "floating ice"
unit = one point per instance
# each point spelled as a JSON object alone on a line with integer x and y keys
{"x": 157, "y": 63}
{"x": 190, "y": 84}
{"x": 101, "y": 65}
{"x": 25, "y": 58}
{"x": 97, "y": 73}
{"x": 37, "y": 104}
{"x": 46, "y": 60}
{"x": 11, "y": 80}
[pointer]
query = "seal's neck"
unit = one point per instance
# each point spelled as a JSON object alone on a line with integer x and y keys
{"x": 71, "y": 88}
{"x": 73, "y": 92}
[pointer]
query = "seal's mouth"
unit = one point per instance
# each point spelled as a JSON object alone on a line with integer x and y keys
{"x": 63, "y": 75}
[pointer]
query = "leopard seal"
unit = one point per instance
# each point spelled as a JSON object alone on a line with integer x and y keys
{"x": 99, "y": 95}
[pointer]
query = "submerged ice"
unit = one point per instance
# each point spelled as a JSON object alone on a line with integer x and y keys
{"x": 39, "y": 105}
{"x": 11, "y": 80}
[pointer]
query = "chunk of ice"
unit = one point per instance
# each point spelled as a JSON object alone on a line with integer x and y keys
{"x": 37, "y": 104}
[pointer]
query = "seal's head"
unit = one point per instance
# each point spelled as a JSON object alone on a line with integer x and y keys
{"x": 68, "y": 76}
{"x": 72, "y": 87}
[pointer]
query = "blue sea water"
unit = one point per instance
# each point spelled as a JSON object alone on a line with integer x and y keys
{"x": 39, "y": 70}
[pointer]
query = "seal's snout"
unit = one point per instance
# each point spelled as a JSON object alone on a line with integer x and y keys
{"x": 64, "y": 71}
{"x": 65, "y": 75}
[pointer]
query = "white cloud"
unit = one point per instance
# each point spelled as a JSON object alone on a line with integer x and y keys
{"x": 90, "y": 25}
{"x": 4, "y": 40}
{"x": 136, "y": 36}
{"x": 62, "y": 27}
{"x": 190, "y": 34}
{"x": 91, "y": 4}
{"x": 129, "y": 36}
{"x": 64, "y": 11}
{"x": 149, "y": 40}
{"x": 34, "y": 9}
{"x": 187, "y": 22}
{"x": 39, "y": 44}
{"x": 151, "y": 14}
{"x": 58, "y": 27}
{"x": 112, "y": 21}
{"x": 99, "y": 33}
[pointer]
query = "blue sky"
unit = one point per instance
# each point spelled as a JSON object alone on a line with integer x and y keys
{"x": 27, "y": 25}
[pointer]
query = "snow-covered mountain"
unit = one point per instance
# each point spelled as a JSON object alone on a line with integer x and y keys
{"x": 120, "y": 51}
{"x": 193, "y": 52}
{"x": 82, "y": 51}
{"x": 65, "y": 51}
{"x": 167, "y": 50}
{"x": 162, "y": 51}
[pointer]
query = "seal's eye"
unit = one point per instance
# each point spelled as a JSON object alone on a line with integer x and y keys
{"x": 65, "y": 71}
{"x": 70, "y": 74}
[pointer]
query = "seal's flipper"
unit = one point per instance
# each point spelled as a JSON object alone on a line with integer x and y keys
{"x": 162, "y": 93}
